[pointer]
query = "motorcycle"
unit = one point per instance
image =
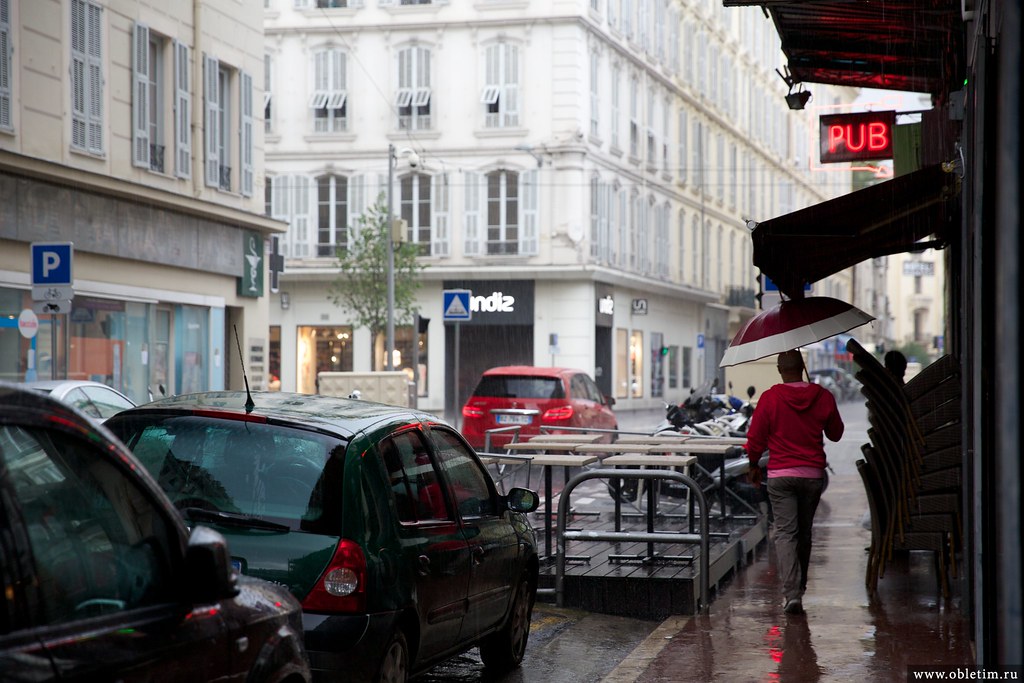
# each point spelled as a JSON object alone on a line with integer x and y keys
{"x": 702, "y": 413}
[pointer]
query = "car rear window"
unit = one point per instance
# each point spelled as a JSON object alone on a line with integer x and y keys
{"x": 233, "y": 466}
{"x": 515, "y": 386}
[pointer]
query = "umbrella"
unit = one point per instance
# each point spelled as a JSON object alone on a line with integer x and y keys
{"x": 790, "y": 325}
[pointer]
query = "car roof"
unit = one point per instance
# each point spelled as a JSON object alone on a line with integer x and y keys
{"x": 537, "y": 371}
{"x": 342, "y": 416}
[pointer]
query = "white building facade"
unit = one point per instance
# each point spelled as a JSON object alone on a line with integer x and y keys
{"x": 585, "y": 167}
{"x": 127, "y": 129}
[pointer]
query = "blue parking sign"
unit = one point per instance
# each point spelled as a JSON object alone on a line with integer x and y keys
{"x": 51, "y": 263}
{"x": 700, "y": 341}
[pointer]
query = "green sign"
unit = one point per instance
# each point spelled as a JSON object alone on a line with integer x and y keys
{"x": 251, "y": 282}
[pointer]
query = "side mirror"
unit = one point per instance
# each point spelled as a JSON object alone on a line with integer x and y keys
{"x": 209, "y": 575}
{"x": 522, "y": 500}
{"x": 609, "y": 400}
{"x": 751, "y": 391}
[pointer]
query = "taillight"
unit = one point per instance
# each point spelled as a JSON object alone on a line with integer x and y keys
{"x": 472, "y": 411}
{"x": 342, "y": 586}
{"x": 559, "y": 413}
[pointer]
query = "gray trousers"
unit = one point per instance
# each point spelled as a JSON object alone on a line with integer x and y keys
{"x": 794, "y": 501}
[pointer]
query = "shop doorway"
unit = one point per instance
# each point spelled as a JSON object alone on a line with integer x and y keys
{"x": 481, "y": 347}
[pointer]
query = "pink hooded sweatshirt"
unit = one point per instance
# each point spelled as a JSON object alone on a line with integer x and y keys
{"x": 788, "y": 422}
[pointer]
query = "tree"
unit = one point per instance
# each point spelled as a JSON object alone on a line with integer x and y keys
{"x": 362, "y": 283}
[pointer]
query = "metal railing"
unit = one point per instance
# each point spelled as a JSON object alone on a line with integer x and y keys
{"x": 650, "y": 537}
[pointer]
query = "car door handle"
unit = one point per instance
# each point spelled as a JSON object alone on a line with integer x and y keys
{"x": 478, "y": 554}
{"x": 424, "y": 565}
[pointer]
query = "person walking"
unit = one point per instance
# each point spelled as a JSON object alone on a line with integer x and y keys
{"x": 788, "y": 422}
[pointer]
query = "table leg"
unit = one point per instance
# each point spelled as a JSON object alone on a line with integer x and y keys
{"x": 547, "y": 512}
{"x": 652, "y": 505}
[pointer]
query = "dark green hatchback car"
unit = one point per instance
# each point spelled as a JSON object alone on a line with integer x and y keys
{"x": 381, "y": 520}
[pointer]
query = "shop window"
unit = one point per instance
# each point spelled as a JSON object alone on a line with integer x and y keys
{"x": 274, "y": 360}
{"x": 321, "y": 349}
{"x": 621, "y": 363}
{"x": 687, "y": 369}
{"x": 657, "y": 365}
{"x": 673, "y": 367}
{"x": 636, "y": 364}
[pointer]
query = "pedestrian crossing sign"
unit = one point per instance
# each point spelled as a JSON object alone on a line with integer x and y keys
{"x": 456, "y": 305}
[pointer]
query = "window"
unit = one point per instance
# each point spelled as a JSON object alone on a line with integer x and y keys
{"x": 687, "y": 370}
{"x": 595, "y": 103}
{"x": 508, "y": 201}
{"x": 321, "y": 349}
{"x": 182, "y": 112}
{"x": 221, "y": 82}
{"x": 634, "y": 118}
{"x": 657, "y": 365}
{"x": 682, "y": 246}
{"x": 415, "y": 209}
{"x": 87, "y": 76}
{"x": 673, "y": 367}
{"x": 471, "y": 486}
{"x": 413, "y": 97}
{"x": 600, "y": 208}
{"x": 290, "y": 202}
{"x": 652, "y": 138}
{"x": 332, "y": 214}
{"x": 329, "y": 100}
{"x": 268, "y": 90}
{"x": 6, "y": 51}
{"x": 615, "y": 108}
{"x": 501, "y": 92}
{"x": 415, "y": 483}
{"x": 99, "y": 545}
{"x": 661, "y": 248}
{"x": 636, "y": 364}
{"x": 148, "y": 98}
{"x": 330, "y": 4}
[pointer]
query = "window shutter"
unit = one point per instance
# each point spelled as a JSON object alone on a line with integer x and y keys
{"x": 140, "y": 93}
{"x": 6, "y": 50}
{"x": 357, "y": 189}
{"x": 440, "y": 242}
{"x": 510, "y": 105}
{"x": 471, "y": 236}
{"x": 78, "y": 62}
{"x": 182, "y": 112}
{"x": 94, "y": 63}
{"x": 211, "y": 68}
{"x": 301, "y": 212}
{"x": 245, "y": 133}
{"x": 528, "y": 235}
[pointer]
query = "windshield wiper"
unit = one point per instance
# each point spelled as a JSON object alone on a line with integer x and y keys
{"x": 233, "y": 519}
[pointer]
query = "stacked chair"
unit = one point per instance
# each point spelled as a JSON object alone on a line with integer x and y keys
{"x": 912, "y": 468}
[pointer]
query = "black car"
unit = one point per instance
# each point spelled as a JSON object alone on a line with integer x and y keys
{"x": 102, "y": 579}
{"x": 381, "y": 520}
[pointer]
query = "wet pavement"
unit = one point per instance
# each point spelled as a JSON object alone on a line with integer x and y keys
{"x": 746, "y": 637}
{"x": 844, "y": 636}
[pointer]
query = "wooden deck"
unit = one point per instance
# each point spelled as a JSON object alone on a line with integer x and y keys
{"x": 601, "y": 577}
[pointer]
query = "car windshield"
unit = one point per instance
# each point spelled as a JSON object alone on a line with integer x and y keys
{"x": 245, "y": 469}
{"x": 515, "y": 386}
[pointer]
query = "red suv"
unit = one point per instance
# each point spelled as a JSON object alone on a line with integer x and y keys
{"x": 530, "y": 397}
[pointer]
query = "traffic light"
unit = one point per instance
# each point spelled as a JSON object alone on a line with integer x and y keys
{"x": 664, "y": 350}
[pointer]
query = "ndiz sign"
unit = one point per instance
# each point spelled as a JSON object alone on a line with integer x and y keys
{"x": 856, "y": 137}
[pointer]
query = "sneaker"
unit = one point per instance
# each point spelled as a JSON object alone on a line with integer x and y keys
{"x": 794, "y": 606}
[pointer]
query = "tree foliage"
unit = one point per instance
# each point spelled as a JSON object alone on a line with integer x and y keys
{"x": 362, "y": 283}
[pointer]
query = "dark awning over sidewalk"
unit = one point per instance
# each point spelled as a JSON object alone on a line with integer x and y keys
{"x": 888, "y": 218}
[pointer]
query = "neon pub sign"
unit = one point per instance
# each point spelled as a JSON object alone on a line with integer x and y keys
{"x": 856, "y": 137}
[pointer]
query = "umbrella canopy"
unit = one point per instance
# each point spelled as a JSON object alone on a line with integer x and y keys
{"x": 790, "y": 325}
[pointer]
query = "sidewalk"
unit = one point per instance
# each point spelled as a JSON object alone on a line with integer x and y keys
{"x": 845, "y": 636}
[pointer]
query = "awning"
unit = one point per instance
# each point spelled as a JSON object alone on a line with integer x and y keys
{"x": 914, "y": 45}
{"x": 888, "y": 218}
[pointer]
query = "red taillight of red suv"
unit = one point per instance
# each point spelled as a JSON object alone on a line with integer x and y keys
{"x": 342, "y": 586}
{"x": 559, "y": 413}
{"x": 472, "y": 411}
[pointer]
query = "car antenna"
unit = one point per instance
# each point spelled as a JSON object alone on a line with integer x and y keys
{"x": 249, "y": 403}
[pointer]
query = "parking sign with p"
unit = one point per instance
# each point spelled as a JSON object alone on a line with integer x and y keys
{"x": 51, "y": 264}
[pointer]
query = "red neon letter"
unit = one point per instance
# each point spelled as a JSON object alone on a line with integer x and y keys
{"x": 835, "y": 137}
{"x": 849, "y": 136}
{"x": 878, "y": 138}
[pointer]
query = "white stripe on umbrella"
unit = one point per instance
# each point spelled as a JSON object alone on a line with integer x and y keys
{"x": 790, "y": 325}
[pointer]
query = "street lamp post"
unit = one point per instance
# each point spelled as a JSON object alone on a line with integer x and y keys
{"x": 389, "y": 352}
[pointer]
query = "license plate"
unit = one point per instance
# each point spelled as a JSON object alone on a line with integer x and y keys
{"x": 513, "y": 419}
